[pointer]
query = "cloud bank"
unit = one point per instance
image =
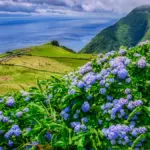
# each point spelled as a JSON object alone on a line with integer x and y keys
{"x": 70, "y": 7}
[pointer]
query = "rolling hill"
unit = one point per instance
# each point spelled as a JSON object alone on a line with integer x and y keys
{"x": 128, "y": 31}
{"x": 22, "y": 68}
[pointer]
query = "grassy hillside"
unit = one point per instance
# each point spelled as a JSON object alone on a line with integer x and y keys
{"x": 24, "y": 66}
{"x": 128, "y": 31}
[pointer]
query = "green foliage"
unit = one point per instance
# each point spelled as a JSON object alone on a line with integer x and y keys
{"x": 42, "y": 122}
{"x": 128, "y": 31}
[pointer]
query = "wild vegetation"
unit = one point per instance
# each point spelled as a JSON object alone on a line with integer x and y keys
{"x": 103, "y": 105}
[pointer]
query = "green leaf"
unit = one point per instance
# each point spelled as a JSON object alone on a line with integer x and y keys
{"x": 138, "y": 139}
{"x": 134, "y": 112}
{"x": 147, "y": 110}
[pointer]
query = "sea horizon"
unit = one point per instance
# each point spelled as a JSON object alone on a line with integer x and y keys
{"x": 19, "y": 32}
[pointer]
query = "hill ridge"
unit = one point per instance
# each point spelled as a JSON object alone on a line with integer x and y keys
{"x": 128, "y": 31}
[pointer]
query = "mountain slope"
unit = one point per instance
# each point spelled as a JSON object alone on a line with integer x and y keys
{"x": 128, "y": 31}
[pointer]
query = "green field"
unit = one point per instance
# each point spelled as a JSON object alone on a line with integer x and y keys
{"x": 21, "y": 68}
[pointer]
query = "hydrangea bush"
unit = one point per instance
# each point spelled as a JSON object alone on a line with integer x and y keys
{"x": 103, "y": 105}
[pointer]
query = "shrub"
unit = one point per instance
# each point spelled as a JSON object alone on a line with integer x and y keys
{"x": 103, "y": 105}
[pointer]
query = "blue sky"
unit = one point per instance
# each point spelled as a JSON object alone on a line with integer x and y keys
{"x": 90, "y": 8}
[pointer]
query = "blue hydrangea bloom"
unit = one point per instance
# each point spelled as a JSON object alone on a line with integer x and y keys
{"x": 48, "y": 136}
{"x": 10, "y": 143}
{"x": 84, "y": 119}
{"x": 85, "y": 107}
{"x": 80, "y": 84}
{"x": 102, "y": 91}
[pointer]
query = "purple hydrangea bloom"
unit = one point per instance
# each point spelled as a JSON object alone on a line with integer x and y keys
{"x": 1, "y": 112}
{"x": 26, "y": 110}
{"x": 19, "y": 114}
{"x": 129, "y": 96}
{"x": 1, "y": 148}
{"x": 122, "y": 52}
{"x": 122, "y": 74}
{"x": 127, "y": 91}
{"x": 73, "y": 124}
{"x": 77, "y": 128}
{"x": 80, "y": 84}
{"x": 98, "y": 76}
{"x": 142, "y": 63}
{"x": 5, "y": 119}
{"x": 10, "y": 102}
{"x": 85, "y": 107}
{"x": 102, "y": 82}
{"x": 128, "y": 80}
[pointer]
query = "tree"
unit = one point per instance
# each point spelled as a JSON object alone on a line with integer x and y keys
{"x": 55, "y": 43}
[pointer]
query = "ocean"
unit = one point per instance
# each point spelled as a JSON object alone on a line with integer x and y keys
{"x": 24, "y": 31}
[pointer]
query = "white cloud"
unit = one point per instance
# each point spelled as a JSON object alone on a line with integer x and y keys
{"x": 70, "y": 7}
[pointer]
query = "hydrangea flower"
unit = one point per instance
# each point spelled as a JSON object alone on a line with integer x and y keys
{"x": 27, "y": 98}
{"x": 85, "y": 107}
{"x": 102, "y": 91}
{"x": 72, "y": 91}
{"x": 122, "y": 74}
{"x": 142, "y": 63}
{"x": 5, "y": 119}
{"x": 128, "y": 80}
{"x": 19, "y": 114}
{"x": 77, "y": 128}
{"x": 10, "y": 143}
{"x": 48, "y": 136}
{"x": 109, "y": 98}
{"x": 80, "y": 84}
{"x": 84, "y": 119}
{"x": 127, "y": 91}
{"x": 26, "y": 110}
{"x": 10, "y": 102}
{"x": 122, "y": 52}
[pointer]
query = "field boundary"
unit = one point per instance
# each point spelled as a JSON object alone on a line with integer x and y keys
{"x": 30, "y": 68}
